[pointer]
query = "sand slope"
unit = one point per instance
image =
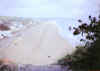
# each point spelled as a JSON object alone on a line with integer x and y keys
{"x": 39, "y": 45}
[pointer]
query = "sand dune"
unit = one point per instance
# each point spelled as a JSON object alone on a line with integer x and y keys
{"x": 39, "y": 45}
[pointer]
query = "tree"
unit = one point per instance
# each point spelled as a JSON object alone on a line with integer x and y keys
{"x": 86, "y": 57}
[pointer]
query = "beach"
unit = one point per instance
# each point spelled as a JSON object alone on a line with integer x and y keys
{"x": 39, "y": 45}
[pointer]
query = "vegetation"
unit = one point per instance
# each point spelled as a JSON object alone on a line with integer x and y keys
{"x": 87, "y": 57}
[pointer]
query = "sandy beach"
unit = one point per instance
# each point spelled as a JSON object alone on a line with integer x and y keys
{"x": 39, "y": 45}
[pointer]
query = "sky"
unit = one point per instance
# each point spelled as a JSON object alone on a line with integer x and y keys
{"x": 45, "y": 8}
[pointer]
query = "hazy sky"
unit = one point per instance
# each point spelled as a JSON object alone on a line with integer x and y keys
{"x": 45, "y": 8}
